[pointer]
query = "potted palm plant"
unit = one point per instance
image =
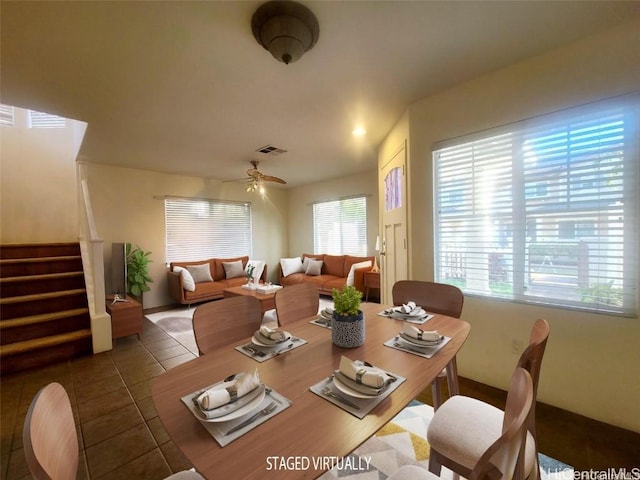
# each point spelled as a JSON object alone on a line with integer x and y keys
{"x": 138, "y": 279}
{"x": 347, "y": 325}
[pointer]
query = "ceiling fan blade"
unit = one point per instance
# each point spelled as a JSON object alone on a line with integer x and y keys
{"x": 269, "y": 178}
{"x": 236, "y": 179}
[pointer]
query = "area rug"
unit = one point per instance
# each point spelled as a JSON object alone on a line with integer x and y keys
{"x": 403, "y": 441}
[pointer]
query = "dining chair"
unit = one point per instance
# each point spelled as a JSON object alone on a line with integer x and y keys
{"x": 51, "y": 441}
{"x": 435, "y": 298}
{"x": 296, "y": 302}
{"x": 459, "y": 433}
{"x": 219, "y": 323}
{"x": 499, "y": 459}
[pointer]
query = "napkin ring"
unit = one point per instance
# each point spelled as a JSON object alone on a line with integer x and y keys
{"x": 420, "y": 332}
{"x": 233, "y": 393}
{"x": 359, "y": 374}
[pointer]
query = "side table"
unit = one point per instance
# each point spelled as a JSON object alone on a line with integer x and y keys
{"x": 371, "y": 280}
{"x": 126, "y": 317}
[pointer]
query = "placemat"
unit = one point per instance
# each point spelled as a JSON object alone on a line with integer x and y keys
{"x": 364, "y": 405}
{"x": 426, "y": 352}
{"x": 262, "y": 354}
{"x": 322, "y": 322}
{"x": 218, "y": 429}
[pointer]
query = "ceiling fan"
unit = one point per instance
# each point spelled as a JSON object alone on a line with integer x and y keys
{"x": 255, "y": 178}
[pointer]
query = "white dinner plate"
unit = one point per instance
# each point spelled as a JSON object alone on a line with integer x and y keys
{"x": 420, "y": 343}
{"x": 259, "y": 343}
{"x": 350, "y": 391}
{"x": 241, "y": 411}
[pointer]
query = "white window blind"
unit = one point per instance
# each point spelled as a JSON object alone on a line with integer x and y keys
{"x": 6, "y": 115}
{"x": 544, "y": 210}
{"x": 45, "y": 120}
{"x": 340, "y": 226}
{"x": 201, "y": 229}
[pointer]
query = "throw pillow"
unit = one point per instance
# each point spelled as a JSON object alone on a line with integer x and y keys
{"x": 188, "y": 282}
{"x": 233, "y": 269}
{"x": 257, "y": 272}
{"x": 200, "y": 273}
{"x": 314, "y": 267}
{"x": 291, "y": 265}
{"x": 351, "y": 278}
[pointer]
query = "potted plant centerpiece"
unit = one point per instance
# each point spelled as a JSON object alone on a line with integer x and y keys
{"x": 347, "y": 325}
{"x": 138, "y": 278}
{"x": 249, "y": 274}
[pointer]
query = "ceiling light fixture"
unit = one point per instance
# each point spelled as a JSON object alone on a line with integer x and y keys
{"x": 285, "y": 28}
{"x": 359, "y": 132}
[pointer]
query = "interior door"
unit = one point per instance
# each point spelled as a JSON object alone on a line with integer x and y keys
{"x": 393, "y": 252}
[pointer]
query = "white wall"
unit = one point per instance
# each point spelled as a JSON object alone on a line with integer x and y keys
{"x": 592, "y": 363}
{"x": 38, "y": 199}
{"x": 301, "y": 201}
{"x": 128, "y": 206}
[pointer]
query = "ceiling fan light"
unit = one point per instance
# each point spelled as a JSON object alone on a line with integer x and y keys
{"x": 285, "y": 28}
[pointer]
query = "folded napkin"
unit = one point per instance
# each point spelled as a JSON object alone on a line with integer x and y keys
{"x": 363, "y": 374}
{"x": 419, "y": 334}
{"x": 406, "y": 308}
{"x": 242, "y": 384}
{"x": 272, "y": 334}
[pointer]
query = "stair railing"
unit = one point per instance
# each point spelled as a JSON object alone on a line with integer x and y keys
{"x": 92, "y": 250}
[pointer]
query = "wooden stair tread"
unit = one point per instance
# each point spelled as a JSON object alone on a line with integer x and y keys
{"x": 43, "y": 276}
{"x": 41, "y": 318}
{"x": 43, "y": 342}
{"x": 6, "y": 261}
{"x": 41, "y": 296}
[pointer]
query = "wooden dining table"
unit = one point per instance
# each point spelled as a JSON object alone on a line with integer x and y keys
{"x": 312, "y": 431}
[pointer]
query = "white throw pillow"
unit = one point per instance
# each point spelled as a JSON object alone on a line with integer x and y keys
{"x": 257, "y": 272}
{"x": 233, "y": 269}
{"x": 188, "y": 283}
{"x": 291, "y": 265}
{"x": 314, "y": 267}
{"x": 351, "y": 278}
{"x": 200, "y": 273}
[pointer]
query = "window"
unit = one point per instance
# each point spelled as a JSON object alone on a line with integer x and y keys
{"x": 45, "y": 120}
{"x": 6, "y": 115}
{"x": 201, "y": 229}
{"x": 340, "y": 226}
{"x": 544, "y": 210}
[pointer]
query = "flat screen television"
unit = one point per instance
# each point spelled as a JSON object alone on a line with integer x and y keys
{"x": 119, "y": 270}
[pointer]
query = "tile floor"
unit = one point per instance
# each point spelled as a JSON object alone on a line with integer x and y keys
{"x": 119, "y": 432}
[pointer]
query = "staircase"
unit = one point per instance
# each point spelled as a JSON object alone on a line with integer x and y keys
{"x": 44, "y": 315}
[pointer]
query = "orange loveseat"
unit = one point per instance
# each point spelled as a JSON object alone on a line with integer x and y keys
{"x": 334, "y": 273}
{"x": 205, "y": 291}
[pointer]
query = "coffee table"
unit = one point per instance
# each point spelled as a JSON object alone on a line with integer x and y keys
{"x": 266, "y": 299}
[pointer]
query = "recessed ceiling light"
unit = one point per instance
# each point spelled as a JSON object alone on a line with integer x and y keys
{"x": 359, "y": 131}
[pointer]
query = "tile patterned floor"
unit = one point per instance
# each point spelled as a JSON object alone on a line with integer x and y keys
{"x": 119, "y": 432}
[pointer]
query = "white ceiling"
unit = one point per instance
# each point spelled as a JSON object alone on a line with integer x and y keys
{"x": 183, "y": 87}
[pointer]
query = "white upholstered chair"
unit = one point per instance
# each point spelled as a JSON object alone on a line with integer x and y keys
{"x": 464, "y": 427}
{"x": 498, "y": 460}
{"x": 50, "y": 438}
{"x": 222, "y": 322}
{"x": 435, "y": 298}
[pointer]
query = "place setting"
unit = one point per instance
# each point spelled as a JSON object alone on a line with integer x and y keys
{"x": 325, "y": 318}
{"x": 234, "y": 406}
{"x": 357, "y": 386}
{"x": 419, "y": 342}
{"x": 409, "y": 312}
{"x": 269, "y": 342}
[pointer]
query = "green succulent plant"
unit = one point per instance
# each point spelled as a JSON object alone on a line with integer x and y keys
{"x": 347, "y": 301}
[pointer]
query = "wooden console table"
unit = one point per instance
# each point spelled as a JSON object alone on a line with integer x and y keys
{"x": 371, "y": 280}
{"x": 126, "y": 317}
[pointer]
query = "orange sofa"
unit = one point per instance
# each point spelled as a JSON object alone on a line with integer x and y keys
{"x": 334, "y": 273}
{"x": 207, "y": 290}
